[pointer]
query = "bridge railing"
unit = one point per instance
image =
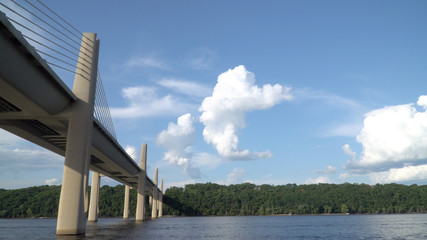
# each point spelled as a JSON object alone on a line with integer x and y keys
{"x": 58, "y": 43}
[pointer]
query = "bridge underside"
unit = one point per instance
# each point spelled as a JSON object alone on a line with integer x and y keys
{"x": 35, "y": 105}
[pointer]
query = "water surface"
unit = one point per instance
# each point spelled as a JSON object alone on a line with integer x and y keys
{"x": 405, "y": 226}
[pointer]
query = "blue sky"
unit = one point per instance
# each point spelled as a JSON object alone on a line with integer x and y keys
{"x": 269, "y": 92}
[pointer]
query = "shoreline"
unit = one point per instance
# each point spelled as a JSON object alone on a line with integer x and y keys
{"x": 270, "y": 215}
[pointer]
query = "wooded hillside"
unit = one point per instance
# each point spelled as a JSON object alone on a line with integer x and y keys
{"x": 249, "y": 199}
{"x": 242, "y": 199}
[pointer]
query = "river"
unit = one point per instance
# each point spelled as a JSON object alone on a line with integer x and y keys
{"x": 405, "y": 226}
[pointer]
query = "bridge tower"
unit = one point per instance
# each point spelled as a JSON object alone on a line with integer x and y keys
{"x": 71, "y": 215}
{"x": 155, "y": 196}
{"x": 140, "y": 205}
{"x": 94, "y": 197}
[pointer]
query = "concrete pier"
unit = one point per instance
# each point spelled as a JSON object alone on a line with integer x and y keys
{"x": 140, "y": 205}
{"x": 94, "y": 197}
{"x": 126, "y": 203}
{"x": 71, "y": 216}
{"x": 161, "y": 199}
{"x": 155, "y": 194}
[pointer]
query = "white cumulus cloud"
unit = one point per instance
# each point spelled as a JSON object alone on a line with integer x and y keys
{"x": 223, "y": 113}
{"x": 177, "y": 140}
{"x": 394, "y": 140}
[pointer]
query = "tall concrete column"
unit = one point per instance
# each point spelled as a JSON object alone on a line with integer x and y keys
{"x": 86, "y": 176}
{"x": 150, "y": 200}
{"x": 161, "y": 199}
{"x": 140, "y": 205}
{"x": 94, "y": 197}
{"x": 154, "y": 206}
{"x": 71, "y": 217}
{"x": 126, "y": 204}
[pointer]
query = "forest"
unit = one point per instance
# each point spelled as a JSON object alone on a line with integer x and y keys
{"x": 249, "y": 199}
{"x": 207, "y": 199}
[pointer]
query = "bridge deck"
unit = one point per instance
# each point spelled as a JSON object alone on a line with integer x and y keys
{"x": 35, "y": 105}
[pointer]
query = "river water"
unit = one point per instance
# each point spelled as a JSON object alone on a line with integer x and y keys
{"x": 405, "y": 226}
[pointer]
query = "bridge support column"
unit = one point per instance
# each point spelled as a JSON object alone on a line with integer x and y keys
{"x": 71, "y": 216}
{"x": 161, "y": 199}
{"x": 87, "y": 168}
{"x": 126, "y": 204}
{"x": 94, "y": 197}
{"x": 155, "y": 193}
{"x": 140, "y": 205}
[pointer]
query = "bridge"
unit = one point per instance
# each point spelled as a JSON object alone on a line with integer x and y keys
{"x": 37, "y": 105}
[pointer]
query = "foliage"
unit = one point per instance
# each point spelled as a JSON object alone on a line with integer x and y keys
{"x": 249, "y": 199}
{"x": 30, "y": 202}
{"x": 243, "y": 199}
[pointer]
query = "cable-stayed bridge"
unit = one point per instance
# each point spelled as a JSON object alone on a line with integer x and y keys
{"x": 38, "y": 106}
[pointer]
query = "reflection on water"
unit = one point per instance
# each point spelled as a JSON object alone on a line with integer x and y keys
{"x": 249, "y": 227}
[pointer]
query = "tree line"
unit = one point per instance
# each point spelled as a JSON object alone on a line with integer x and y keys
{"x": 241, "y": 199}
{"x": 249, "y": 199}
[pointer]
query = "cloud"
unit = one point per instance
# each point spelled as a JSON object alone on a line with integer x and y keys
{"x": 145, "y": 102}
{"x": 145, "y": 62}
{"x": 236, "y": 176}
{"x": 132, "y": 152}
{"x": 186, "y": 87}
{"x": 223, "y": 113}
{"x": 53, "y": 181}
{"x": 32, "y": 159}
{"x": 393, "y": 142}
{"x": 343, "y": 130}
{"x": 405, "y": 174}
{"x": 393, "y": 136}
{"x": 178, "y": 140}
{"x": 206, "y": 160}
{"x": 346, "y": 148}
{"x": 328, "y": 171}
{"x": 320, "y": 179}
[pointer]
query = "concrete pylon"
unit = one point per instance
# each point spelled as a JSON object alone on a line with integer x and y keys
{"x": 94, "y": 197}
{"x": 161, "y": 199}
{"x": 154, "y": 206}
{"x": 86, "y": 176}
{"x": 126, "y": 204}
{"x": 71, "y": 216}
{"x": 140, "y": 205}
